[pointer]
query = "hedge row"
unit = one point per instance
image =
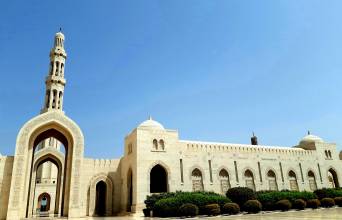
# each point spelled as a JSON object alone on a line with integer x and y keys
{"x": 170, "y": 205}
{"x": 269, "y": 198}
{"x": 328, "y": 193}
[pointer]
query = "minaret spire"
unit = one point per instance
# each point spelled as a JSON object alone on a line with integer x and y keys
{"x": 55, "y": 80}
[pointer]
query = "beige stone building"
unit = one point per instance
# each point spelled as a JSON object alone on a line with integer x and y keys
{"x": 49, "y": 175}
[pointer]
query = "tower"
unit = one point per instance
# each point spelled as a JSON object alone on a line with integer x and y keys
{"x": 55, "y": 80}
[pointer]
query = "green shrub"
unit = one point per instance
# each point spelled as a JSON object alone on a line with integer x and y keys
{"x": 283, "y": 205}
{"x": 313, "y": 203}
{"x": 240, "y": 195}
{"x": 188, "y": 210}
{"x": 212, "y": 209}
{"x": 169, "y": 206}
{"x": 327, "y": 202}
{"x": 231, "y": 208}
{"x": 252, "y": 206}
{"x": 299, "y": 204}
{"x": 338, "y": 201}
{"x": 328, "y": 193}
{"x": 268, "y": 199}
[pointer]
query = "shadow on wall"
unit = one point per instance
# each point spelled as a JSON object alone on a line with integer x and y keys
{"x": 5, "y": 185}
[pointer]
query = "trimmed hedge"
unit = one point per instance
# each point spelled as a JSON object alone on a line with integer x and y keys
{"x": 169, "y": 206}
{"x": 268, "y": 199}
{"x": 231, "y": 208}
{"x": 212, "y": 209}
{"x": 327, "y": 202}
{"x": 240, "y": 195}
{"x": 252, "y": 206}
{"x": 283, "y": 205}
{"x": 338, "y": 201}
{"x": 299, "y": 204}
{"x": 328, "y": 193}
{"x": 313, "y": 203}
{"x": 188, "y": 210}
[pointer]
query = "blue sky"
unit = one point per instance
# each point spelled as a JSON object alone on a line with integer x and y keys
{"x": 213, "y": 70}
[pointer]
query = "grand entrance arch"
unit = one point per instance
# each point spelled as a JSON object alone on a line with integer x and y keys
{"x": 56, "y": 125}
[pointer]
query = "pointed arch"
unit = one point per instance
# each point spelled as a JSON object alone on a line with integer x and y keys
{"x": 224, "y": 181}
{"x": 312, "y": 180}
{"x": 333, "y": 178}
{"x": 197, "y": 180}
{"x": 272, "y": 180}
{"x": 49, "y": 124}
{"x": 293, "y": 180}
{"x": 94, "y": 189}
{"x": 158, "y": 179}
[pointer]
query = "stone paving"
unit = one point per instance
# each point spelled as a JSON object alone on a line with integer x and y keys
{"x": 328, "y": 214}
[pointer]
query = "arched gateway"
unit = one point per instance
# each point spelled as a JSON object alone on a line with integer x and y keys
{"x": 56, "y": 125}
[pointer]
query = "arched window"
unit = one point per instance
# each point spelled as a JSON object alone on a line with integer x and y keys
{"x": 326, "y": 153}
{"x": 312, "y": 181}
{"x": 155, "y": 144}
{"x": 293, "y": 181}
{"x": 224, "y": 181}
{"x": 62, "y": 66}
{"x": 47, "y": 98}
{"x": 54, "y": 98}
{"x": 158, "y": 179}
{"x": 162, "y": 144}
{"x": 57, "y": 68}
{"x": 329, "y": 152}
{"x": 272, "y": 181}
{"x": 197, "y": 180}
{"x": 332, "y": 178}
{"x": 249, "y": 179}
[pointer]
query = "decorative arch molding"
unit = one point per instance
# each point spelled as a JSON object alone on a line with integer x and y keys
{"x": 312, "y": 170}
{"x": 293, "y": 170}
{"x": 199, "y": 168}
{"x": 26, "y": 139}
{"x": 250, "y": 169}
{"x": 226, "y": 169}
{"x": 46, "y": 152}
{"x": 273, "y": 170}
{"x": 109, "y": 193}
{"x": 337, "y": 180}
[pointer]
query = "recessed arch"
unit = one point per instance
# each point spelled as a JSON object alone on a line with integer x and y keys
{"x": 333, "y": 178}
{"x": 197, "y": 180}
{"x": 224, "y": 181}
{"x": 129, "y": 190}
{"x": 293, "y": 180}
{"x": 158, "y": 179}
{"x": 249, "y": 179}
{"x": 44, "y": 201}
{"x": 272, "y": 180}
{"x": 108, "y": 194}
{"x": 312, "y": 180}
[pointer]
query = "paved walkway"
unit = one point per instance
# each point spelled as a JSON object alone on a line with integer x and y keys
{"x": 327, "y": 214}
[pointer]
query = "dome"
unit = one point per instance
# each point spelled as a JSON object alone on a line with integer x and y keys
{"x": 311, "y": 139}
{"x": 150, "y": 123}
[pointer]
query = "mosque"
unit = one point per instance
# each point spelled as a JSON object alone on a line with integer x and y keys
{"x": 49, "y": 175}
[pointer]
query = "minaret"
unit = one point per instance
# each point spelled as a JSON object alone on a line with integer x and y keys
{"x": 55, "y": 80}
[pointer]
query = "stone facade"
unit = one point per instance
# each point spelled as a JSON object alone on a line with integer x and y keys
{"x": 42, "y": 179}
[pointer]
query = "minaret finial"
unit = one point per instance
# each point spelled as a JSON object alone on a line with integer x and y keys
{"x": 60, "y": 29}
{"x": 308, "y": 132}
{"x": 150, "y": 117}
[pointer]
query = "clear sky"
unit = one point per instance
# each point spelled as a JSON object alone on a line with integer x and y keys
{"x": 213, "y": 70}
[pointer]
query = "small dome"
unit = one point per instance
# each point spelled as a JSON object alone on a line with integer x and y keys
{"x": 150, "y": 123}
{"x": 308, "y": 139}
